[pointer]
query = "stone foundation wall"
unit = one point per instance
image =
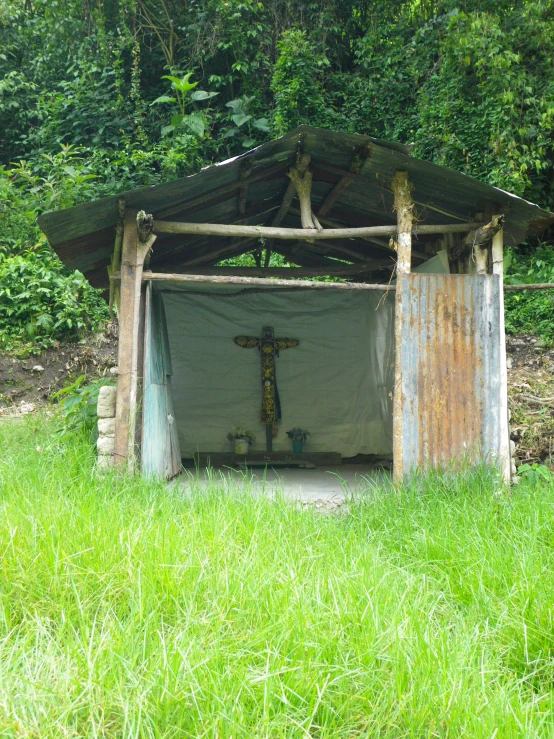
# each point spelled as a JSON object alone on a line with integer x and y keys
{"x": 105, "y": 410}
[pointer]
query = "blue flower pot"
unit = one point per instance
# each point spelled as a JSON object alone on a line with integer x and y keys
{"x": 297, "y": 447}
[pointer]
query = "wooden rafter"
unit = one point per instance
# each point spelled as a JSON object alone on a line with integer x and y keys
{"x": 180, "y": 249}
{"x": 233, "y": 248}
{"x": 356, "y": 165}
{"x": 333, "y": 223}
{"x": 245, "y": 171}
{"x": 304, "y": 257}
{"x": 343, "y": 251}
{"x": 346, "y": 269}
{"x": 367, "y": 183}
{"x": 179, "y": 208}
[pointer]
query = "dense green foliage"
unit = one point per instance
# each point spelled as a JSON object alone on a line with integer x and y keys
{"x": 525, "y": 310}
{"x": 128, "y": 608}
{"x": 97, "y": 96}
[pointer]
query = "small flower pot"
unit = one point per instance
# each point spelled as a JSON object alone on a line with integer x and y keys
{"x": 242, "y": 446}
{"x": 297, "y": 446}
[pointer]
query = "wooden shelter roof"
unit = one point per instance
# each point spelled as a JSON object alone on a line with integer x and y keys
{"x": 351, "y": 180}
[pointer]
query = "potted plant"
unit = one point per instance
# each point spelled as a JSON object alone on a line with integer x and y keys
{"x": 241, "y": 438}
{"x": 298, "y": 437}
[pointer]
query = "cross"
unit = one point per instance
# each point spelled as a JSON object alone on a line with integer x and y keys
{"x": 269, "y": 348}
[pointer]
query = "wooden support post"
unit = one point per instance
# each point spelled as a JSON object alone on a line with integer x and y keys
{"x": 115, "y": 264}
{"x": 481, "y": 258}
{"x": 302, "y": 162}
{"x": 303, "y": 186}
{"x": 505, "y": 457}
{"x": 403, "y": 205}
{"x": 137, "y": 242}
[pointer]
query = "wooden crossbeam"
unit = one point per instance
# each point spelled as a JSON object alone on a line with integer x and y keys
{"x": 383, "y": 243}
{"x": 261, "y": 282}
{"x": 333, "y": 223}
{"x": 179, "y": 249}
{"x": 307, "y": 234}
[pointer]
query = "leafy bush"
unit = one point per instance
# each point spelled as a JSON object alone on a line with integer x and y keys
{"x": 41, "y": 301}
{"x": 531, "y": 311}
{"x": 535, "y": 473}
{"x": 78, "y": 403}
{"x": 297, "y": 83}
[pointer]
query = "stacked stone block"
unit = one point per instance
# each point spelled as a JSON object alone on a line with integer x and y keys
{"x": 105, "y": 410}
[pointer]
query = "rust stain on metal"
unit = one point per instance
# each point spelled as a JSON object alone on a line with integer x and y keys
{"x": 449, "y": 369}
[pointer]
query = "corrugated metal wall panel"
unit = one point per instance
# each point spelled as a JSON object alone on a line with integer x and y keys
{"x": 449, "y": 365}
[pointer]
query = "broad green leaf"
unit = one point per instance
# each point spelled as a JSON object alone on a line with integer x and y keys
{"x": 202, "y": 95}
{"x": 240, "y": 119}
{"x": 235, "y": 104}
{"x": 164, "y": 99}
{"x": 167, "y": 130}
{"x": 195, "y": 123}
{"x": 182, "y": 84}
{"x": 262, "y": 124}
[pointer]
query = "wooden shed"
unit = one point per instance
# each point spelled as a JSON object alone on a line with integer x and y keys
{"x": 401, "y": 355}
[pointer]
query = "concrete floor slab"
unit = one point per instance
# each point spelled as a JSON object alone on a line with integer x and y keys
{"x": 319, "y": 485}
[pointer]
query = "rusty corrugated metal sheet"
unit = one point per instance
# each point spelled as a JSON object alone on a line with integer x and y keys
{"x": 449, "y": 369}
{"x": 83, "y": 236}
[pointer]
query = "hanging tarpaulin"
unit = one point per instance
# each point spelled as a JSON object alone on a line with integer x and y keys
{"x": 161, "y": 456}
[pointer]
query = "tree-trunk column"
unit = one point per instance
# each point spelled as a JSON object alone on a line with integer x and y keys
{"x": 137, "y": 241}
{"x": 403, "y": 205}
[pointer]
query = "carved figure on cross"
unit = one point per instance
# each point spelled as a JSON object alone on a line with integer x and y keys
{"x": 269, "y": 348}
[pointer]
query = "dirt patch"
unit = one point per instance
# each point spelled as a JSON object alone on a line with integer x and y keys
{"x": 531, "y": 398}
{"x": 27, "y": 384}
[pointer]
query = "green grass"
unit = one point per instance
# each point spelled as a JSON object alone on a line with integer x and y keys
{"x": 130, "y": 609}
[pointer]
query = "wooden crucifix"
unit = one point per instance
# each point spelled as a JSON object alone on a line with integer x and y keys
{"x": 269, "y": 348}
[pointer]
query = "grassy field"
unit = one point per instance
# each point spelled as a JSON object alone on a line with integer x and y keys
{"x": 130, "y": 609}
